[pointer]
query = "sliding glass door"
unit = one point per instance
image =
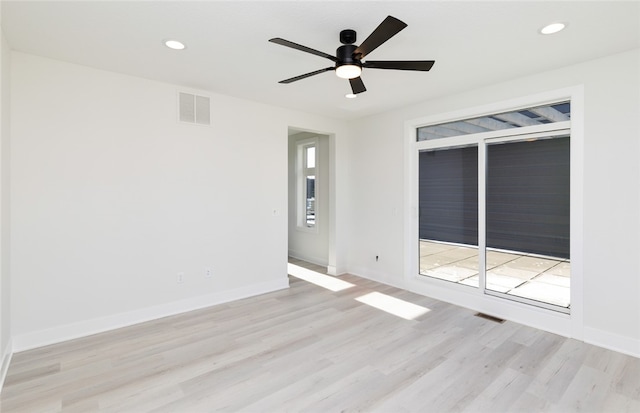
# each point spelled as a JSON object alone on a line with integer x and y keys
{"x": 448, "y": 188}
{"x": 527, "y": 219}
{"x": 494, "y": 205}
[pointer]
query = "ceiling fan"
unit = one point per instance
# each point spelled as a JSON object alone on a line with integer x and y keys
{"x": 349, "y": 57}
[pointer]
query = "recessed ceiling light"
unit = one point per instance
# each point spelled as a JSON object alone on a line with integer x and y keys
{"x": 351, "y": 96}
{"x": 174, "y": 44}
{"x": 553, "y": 28}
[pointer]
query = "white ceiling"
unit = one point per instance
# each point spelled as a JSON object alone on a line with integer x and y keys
{"x": 474, "y": 43}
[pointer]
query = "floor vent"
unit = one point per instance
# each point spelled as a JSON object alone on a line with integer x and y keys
{"x": 490, "y": 318}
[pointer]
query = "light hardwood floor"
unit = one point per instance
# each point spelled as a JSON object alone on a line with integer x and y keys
{"x": 313, "y": 350}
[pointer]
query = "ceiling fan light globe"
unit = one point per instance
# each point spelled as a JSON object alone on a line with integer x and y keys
{"x": 348, "y": 71}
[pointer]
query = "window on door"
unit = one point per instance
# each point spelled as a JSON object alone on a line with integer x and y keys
{"x": 494, "y": 204}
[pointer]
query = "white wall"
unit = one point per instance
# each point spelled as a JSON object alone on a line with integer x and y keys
{"x": 611, "y": 275}
{"x": 5, "y": 297}
{"x": 112, "y": 197}
{"x": 310, "y": 245}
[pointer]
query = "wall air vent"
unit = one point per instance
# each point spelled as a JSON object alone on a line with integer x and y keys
{"x": 194, "y": 109}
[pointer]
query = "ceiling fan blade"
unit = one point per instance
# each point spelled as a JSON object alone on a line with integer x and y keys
{"x": 297, "y": 46}
{"x": 385, "y": 31}
{"x": 306, "y": 75}
{"x": 422, "y": 65}
{"x": 357, "y": 85}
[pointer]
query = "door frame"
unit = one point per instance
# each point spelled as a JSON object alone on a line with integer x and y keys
{"x": 332, "y": 257}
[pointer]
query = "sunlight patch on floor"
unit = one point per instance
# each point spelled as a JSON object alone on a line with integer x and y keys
{"x": 392, "y": 305}
{"x": 322, "y": 280}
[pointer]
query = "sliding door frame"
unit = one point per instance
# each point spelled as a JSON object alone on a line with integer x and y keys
{"x": 570, "y": 325}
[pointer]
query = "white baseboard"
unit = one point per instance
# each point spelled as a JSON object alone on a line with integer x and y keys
{"x": 378, "y": 277}
{"x": 62, "y": 333}
{"x": 611, "y": 341}
{"x": 6, "y": 360}
{"x": 308, "y": 258}
{"x": 332, "y": 270}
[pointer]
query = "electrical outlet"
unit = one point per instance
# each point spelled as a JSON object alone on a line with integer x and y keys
{"x": 180, "y": 278}
{"x": 208, "y": 273}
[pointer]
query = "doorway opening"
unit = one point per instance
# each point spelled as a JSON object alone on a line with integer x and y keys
{"x": 310, "y": 197}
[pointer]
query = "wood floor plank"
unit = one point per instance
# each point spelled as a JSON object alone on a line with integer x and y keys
{"x": 314, "y": 350}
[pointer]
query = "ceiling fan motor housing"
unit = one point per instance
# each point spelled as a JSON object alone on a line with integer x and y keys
{"x": 345, "y": 55}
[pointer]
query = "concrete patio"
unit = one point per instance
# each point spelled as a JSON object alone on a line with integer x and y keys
{"x": 544, "y": 279}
